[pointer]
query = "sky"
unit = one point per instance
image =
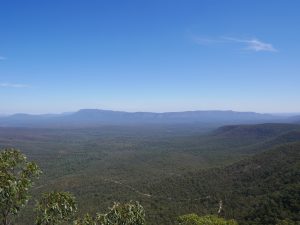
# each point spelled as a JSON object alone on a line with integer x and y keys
{"x": 151, "y": 55}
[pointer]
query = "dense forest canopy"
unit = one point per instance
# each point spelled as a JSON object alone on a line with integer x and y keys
{"x": 54, "y": 208}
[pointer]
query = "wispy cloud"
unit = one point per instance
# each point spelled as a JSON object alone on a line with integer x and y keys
{"x": 13, "y": 85}
{"x": 2, "y": 57}
{"x": 252, "y": 44}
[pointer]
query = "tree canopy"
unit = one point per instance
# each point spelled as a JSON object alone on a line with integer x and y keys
{"x": 55, "y": 208}
{"x": 16, "y": 178}
{"x": 194, "y": 219}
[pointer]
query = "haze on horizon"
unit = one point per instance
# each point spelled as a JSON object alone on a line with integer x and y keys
{"x": 155, "y": 56}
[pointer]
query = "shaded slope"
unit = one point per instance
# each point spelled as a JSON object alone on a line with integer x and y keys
{"x": 259, "y": 131}
{"x": 288, "y": 137}
{"x": 251, "y": 139}
{"x": 295, "y": 119}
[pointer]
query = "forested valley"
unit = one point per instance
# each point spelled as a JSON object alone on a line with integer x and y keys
{"x": 161, "y": 174}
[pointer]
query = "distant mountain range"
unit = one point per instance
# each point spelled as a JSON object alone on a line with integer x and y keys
{"x": 96, "y": 117}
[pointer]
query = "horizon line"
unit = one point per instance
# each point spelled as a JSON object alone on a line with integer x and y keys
{"x": 125, "y": 111}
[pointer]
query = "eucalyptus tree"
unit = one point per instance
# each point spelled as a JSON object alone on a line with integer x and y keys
{"x": 131, "y": 213}
{"x": 16, "y": 177}
{"x": 55, "y": 208}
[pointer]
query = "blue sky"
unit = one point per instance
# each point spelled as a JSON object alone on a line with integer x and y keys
{"x": 63, "y": 55}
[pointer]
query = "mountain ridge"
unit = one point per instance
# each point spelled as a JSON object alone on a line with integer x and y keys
{"x": 93, "y": 117}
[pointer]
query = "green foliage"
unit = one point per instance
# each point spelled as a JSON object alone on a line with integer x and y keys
{"x": 16, "y": 177}
{"x": 287, "y": 222}
{"x": 131, "y": 213}
{"x": 193, "y": 219}
{"x": 86, "y": 220}
{"x": 55, "y": 208}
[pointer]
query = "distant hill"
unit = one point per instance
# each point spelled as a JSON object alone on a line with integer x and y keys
{"x": 252, "y": 138}
{"x": 95, "y": 117}
{"x": 263, "y": 189}
{"x": 258, "y": 131}
{"x": 288, "y": 137}
{"x": 296, "y": 119}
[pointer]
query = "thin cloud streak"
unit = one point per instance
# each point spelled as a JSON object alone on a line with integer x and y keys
{"x": 254, "y": 44}
{"x": 12, "y": 85}
{"x": 2, "y": 58}
{"x": 250, "y": 44}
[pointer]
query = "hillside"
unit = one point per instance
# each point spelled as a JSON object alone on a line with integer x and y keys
{"x": 259, "y": 131}
{"x": 260, "y": 190}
